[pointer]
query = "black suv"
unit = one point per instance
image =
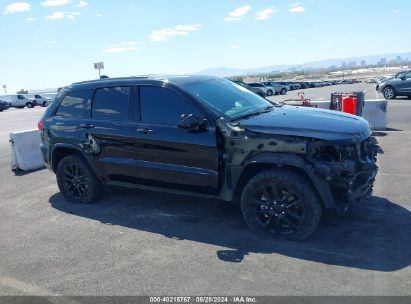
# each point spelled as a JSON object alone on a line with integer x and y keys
{"x": 209, "y": 137}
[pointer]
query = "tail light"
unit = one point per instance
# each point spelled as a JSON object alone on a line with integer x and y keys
{"x": 40, "y": 125}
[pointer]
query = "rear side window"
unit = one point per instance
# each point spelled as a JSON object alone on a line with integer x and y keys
{"x": 111, "y": 103}
{"x": 75, "y": 104}
{"x": 163, "y": 106}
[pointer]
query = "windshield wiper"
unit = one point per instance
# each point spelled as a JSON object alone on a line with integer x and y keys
{"x": 255, "y": 113}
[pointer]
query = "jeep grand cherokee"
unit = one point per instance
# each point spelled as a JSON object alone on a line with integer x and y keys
{"x": 209, "y": 137}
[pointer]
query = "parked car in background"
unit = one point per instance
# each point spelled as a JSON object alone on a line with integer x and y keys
{"x": 371, "y": 80}
{"x": 258, "y": 91}
{"x": 18, "y": 101}
{"x": 279, "y": 88}
{"x": 290, "y": 86}
{"x": 303, "y": 85}
{"x": 38, "y": 99}
{"x": 269, "y": 91}
{"x": 400, "y": 85}
{"x": 4, "y": 105}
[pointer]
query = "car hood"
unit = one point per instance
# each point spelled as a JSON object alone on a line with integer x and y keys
{"x": 391, "y": 81}
{"x": 310, "y": 122}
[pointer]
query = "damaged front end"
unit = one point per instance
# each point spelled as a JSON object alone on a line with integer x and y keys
{"x": 342, "y": 171}
{"x": 350, "y": 169}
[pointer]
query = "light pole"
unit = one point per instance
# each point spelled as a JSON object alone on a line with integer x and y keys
{"x": 5, "y": 87}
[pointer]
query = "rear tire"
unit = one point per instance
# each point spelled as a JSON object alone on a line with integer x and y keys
{"x": 283, "y": 91}
{"x": 281, "y": 204}
{"x": 389, "y": 93}
{"x": 77, "y": 181}
{"x": 270, "y": 93}
{"x": 29, "y": 105}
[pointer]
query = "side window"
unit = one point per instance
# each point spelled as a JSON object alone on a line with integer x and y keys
{"x": 408, "y": 75}
{"x": 75, "y": 104}
{"x": 111, "y": 103}
{"x": 163, "y": 106}
{"x": 20, "y": 97}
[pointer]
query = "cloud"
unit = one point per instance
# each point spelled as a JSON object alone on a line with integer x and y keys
{"x": 396, "y": 11}
{"x": 125, "y": 46}
{"x": 264, "y": 14}
{"x": 82, "y": 4}
{"x": 49, "y": 3}
{"x": 234, "y": 46}
{"x": 179, "y": 30}
{"x": 238, "y": 14}
{"x": 99, "y": 15}
{"x": 30, "y": 19}
{"x": 62, "y": 15}
{"x": 297, "y": 8}
{"x": 17, "y": 7}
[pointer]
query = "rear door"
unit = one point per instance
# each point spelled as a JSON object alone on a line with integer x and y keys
{"x": 169, "y": 156}
{"x": 107, "y": 136}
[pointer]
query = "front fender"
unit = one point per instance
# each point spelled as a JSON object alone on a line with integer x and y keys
{"x": 292, "y": 160}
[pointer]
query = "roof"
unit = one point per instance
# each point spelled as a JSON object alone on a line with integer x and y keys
{"x": 174, "y": 79}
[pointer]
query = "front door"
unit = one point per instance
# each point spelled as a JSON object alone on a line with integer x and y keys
{"x": 169, "y": 156}
{"x": 404, "y": 86}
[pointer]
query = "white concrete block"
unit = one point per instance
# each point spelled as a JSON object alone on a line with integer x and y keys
{"x": 321, "y": 104}
{"x": 375, "y": 112}
{"x": 25, "y": 150}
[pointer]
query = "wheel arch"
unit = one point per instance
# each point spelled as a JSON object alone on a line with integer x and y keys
{"x": 60, "y": 151}
{"x": 291, "y": 162}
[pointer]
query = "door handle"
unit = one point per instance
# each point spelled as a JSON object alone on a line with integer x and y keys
{"x": 145, "y": 131}
{"x": 87, "y": 126}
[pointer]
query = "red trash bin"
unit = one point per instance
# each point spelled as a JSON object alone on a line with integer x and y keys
{"x": 349, "y": 104}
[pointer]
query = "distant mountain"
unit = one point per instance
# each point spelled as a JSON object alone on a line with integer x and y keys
{"x": 369, "y": 60}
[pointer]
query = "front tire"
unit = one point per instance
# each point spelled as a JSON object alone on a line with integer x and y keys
{"x": 389, "y": 93}
{"x": 281, "y": 204}
{"x": 29, "y": 105}
{"x": 76, "y": 180}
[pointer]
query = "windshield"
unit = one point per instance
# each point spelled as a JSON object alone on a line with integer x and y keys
{"x": 228, "y": 98}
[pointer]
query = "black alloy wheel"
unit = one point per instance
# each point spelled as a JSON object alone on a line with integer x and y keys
{"x": 76, "y": 180}
{"x": 281, "y": 204}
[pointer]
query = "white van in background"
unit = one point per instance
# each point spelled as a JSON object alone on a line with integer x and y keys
{"x": 39, "y": 100}
{"x": 18, "y": 101}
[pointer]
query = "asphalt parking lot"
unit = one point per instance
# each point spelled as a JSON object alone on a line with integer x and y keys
{"x": 143, "y": 243}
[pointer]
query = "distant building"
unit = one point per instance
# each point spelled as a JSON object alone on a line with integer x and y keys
{"x": 399, "y": 59}
{"x": 344, "y": 64}
{"x": 383, "y": 61}
{"x": 362, "y": 62}
{"x": 352, "y": 64}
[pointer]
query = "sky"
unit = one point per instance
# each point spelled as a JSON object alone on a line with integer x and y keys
{"x": 52, "y": 43}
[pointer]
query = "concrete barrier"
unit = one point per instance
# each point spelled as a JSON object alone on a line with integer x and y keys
{"x": 321, "y": 104}
{"x": 25, "y": 150}
{"x": 375, "y": 112}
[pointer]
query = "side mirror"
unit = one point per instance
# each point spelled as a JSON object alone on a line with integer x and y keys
{"x": 403, "y": 78}
{"x": 193, "y": 123}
